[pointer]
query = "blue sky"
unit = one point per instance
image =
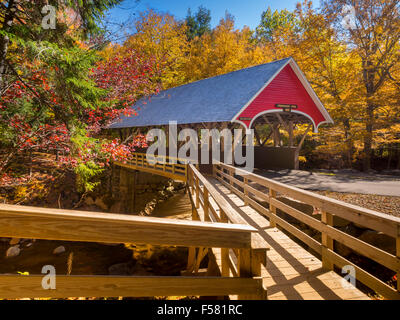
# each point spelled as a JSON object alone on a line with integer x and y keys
{"x": 246, "y": 12}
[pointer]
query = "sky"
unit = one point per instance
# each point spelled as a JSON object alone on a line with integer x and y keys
{"x": 246, "y": 12}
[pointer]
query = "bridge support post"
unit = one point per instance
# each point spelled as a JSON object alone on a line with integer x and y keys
{"x": 249, "y": 266}
{"x": 246, "y": 193}
{"x": 206, "y": 207}
{"x": 327, "y": 242}
{"x": 272, "y": 209}
{"x": 197, "y": 193}
{"x": 224, "y": 251}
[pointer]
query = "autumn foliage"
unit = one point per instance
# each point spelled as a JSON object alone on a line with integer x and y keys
{"x": 60, "y": 88}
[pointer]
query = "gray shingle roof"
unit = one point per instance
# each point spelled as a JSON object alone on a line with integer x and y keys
{"x": 216, "y": 99}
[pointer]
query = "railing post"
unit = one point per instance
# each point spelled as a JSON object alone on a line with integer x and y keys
{"x": 232, "y": 176}
{"x": 197, "y": 193}
{"x": 249, "y": 265}
{"x": 246, "y": 192}
{"x": 327, "y": 242}
{"x": 272, "y": 209}
{"x": 192, "y": 250}
{"x": 206, "y": 205}
{"x": 224, "y": 251}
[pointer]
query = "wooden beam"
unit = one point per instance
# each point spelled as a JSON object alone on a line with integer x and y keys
{"x": 281, "y": 121}
{"x": 378, "y": 221}
{"x": 68, "y": 225}
{"x": 17, "y": 286}
{"x": 291, "y": 136}
{"x": 257, "y": 136}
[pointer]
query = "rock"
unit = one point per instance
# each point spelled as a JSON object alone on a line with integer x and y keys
{"x": 14, "y": 241}
{"x": 342, "y": 250}
{"x": 303, "y": 207}
{"x": 340, "y": 222}
{"x": 352, "y": 230}
{"x": 100, "y": 203}
{"x": 13, "y": 251}
{"x": 380, "y": 240}
{"x": 122, "y": 269}
{"x": 59, "y": 250}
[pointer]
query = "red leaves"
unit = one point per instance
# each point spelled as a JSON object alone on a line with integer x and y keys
{"x": 128, "y": 76}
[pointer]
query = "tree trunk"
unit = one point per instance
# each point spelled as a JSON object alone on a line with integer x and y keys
{"x": 349, "y": 142}
{"x": 369, "y": 127}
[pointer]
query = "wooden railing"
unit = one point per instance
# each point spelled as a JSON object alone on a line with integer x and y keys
{"x": 166, "y": 166}
{"x": 55, "y": 224}
{"x": 209, "y": 205}
{"x": 247, "y": 186}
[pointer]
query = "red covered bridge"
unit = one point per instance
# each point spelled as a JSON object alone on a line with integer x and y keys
{"x": 275, "y": 94}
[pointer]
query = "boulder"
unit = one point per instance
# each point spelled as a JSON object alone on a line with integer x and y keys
{"x": 340, "y": 222}
{"x": 122, "y": 269}
{"x": 89, "y": 201}
{"x": 380, "y": 240}
{"x": 303, "y": 207}
{"x": 13, "y": 251}
{"x": 342, "y": 250}
{"x": 100, "y": 203}
{"x": 352, "y": 230}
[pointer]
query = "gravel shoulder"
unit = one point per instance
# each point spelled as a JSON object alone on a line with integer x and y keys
{"x": 385, "y": 204}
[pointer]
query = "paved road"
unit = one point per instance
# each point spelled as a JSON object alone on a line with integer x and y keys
{"x": 340, "y": 182}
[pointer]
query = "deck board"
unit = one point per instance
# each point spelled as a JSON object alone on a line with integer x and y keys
{"x": 292, "y": 272}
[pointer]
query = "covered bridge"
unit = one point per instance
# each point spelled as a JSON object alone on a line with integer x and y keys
{"x": 276, "y": 94}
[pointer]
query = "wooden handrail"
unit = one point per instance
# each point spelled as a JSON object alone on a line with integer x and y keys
{"x": 69, "y": 225}
{"x": 208, "y": 201}
{"x": 369, "y": 218}
{"x": 232, "y": 214}
{"x": 17, "y": 286}
{"x": 329, "y": 207}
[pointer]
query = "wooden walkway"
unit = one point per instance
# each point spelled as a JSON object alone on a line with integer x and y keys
{"x": 291, "y": 272}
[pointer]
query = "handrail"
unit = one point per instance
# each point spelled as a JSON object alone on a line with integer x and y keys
{"x": 329, "y": 207}
{"x": 209, "y": 205}
{"x": 231, "y": 213}
{"x": 70, "y": 225}
{"x": 138, "y": 161}
{"x": 389, "y": 225}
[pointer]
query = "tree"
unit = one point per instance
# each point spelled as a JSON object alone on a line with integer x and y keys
{"x": 222, "y": 50}
{"x": 164, "y": 38}
{"x": 374, "y": 35}
{"x": 272, "y": 21}
{"x": 198, "y": 24}
{"x": 57, "y": 93}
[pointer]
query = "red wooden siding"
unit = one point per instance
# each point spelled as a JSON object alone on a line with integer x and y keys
{"x": 286, "y": 88}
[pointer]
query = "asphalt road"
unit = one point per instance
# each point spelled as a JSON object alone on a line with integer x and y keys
{"x": 339, "y": 182}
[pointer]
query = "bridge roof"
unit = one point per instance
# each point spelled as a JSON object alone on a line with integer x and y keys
{"x": 219, "y": 99}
